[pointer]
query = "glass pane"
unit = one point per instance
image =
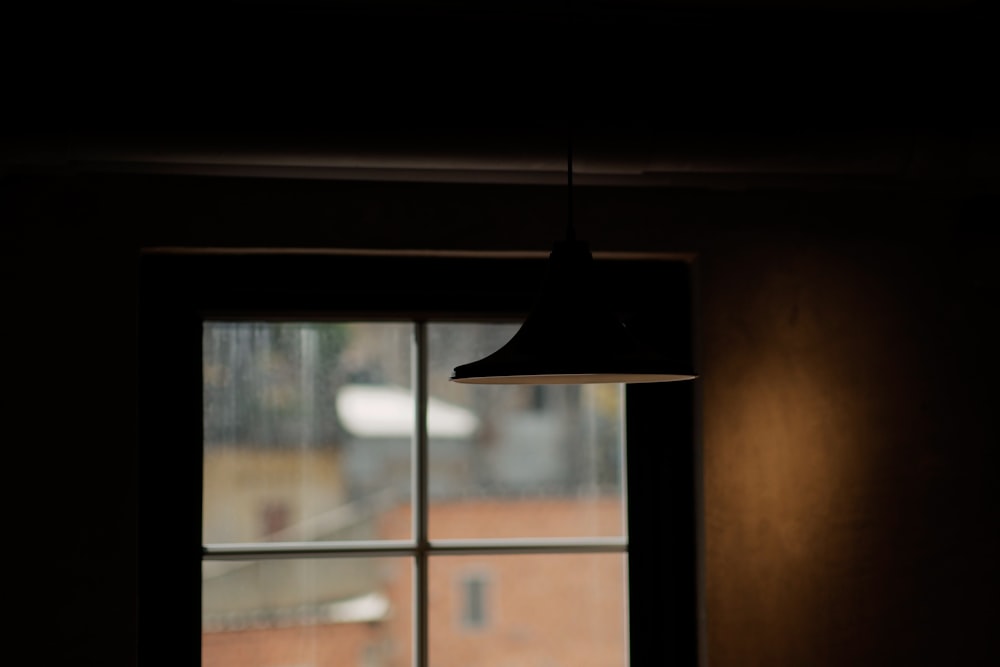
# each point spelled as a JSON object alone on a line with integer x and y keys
{"x": 517, "y": 460}
{"x": 554, "y": 610}
{"x": 354, "y": 612}
{"x": 308, "y": 431}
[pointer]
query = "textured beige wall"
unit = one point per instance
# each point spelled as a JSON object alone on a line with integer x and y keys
{"x": 848, "y": 447}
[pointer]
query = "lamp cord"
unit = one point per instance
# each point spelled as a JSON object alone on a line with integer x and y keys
{"x": 570, "y": 232}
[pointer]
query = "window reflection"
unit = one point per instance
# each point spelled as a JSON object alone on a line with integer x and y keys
{"x": 340, "y": 611}
{"x": 291, "y": 453}
{"x": 545, "y": 460}
{"x": 566, "y": 610}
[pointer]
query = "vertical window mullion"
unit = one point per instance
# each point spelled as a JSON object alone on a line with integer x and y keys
{"x": 420, "y": 456}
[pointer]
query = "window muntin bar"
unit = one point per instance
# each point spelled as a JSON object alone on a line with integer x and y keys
{"x": 384, "y": 548}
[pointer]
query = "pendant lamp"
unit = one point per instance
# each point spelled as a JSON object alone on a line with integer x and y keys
{"x": 568, "y": 337}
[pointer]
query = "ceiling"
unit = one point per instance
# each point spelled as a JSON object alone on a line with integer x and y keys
{"x": 736, "y": 94}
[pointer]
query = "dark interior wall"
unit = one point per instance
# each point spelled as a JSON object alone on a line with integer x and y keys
{"x": 850, "y": 515}
{"x": 847, "y": 354}
{"x": 847, "y": 351}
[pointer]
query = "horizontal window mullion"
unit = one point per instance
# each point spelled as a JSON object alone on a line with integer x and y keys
{"x": 529, "y": 546}
{"x": 255, "y": 550}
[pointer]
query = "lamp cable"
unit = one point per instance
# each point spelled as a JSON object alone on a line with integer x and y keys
{"x": 570, "y": 231}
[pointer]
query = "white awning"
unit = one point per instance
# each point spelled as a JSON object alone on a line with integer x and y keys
{"x": 370, "y": 607}
{"x": 385, "y": 411}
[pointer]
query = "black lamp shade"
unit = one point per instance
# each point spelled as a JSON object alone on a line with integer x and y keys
{"x": 570, "y": 337}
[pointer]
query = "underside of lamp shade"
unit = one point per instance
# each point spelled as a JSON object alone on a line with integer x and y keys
{"x": 571, "y": 337}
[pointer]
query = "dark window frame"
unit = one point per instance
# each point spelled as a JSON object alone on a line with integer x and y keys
{"x": 178, "y": 290}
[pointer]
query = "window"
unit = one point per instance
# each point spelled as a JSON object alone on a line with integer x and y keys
{"x": 475, "y": 601}
{"x": 313, "y": 486}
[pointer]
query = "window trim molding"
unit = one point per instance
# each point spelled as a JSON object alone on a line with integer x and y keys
{"x": 179, "y": 289}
